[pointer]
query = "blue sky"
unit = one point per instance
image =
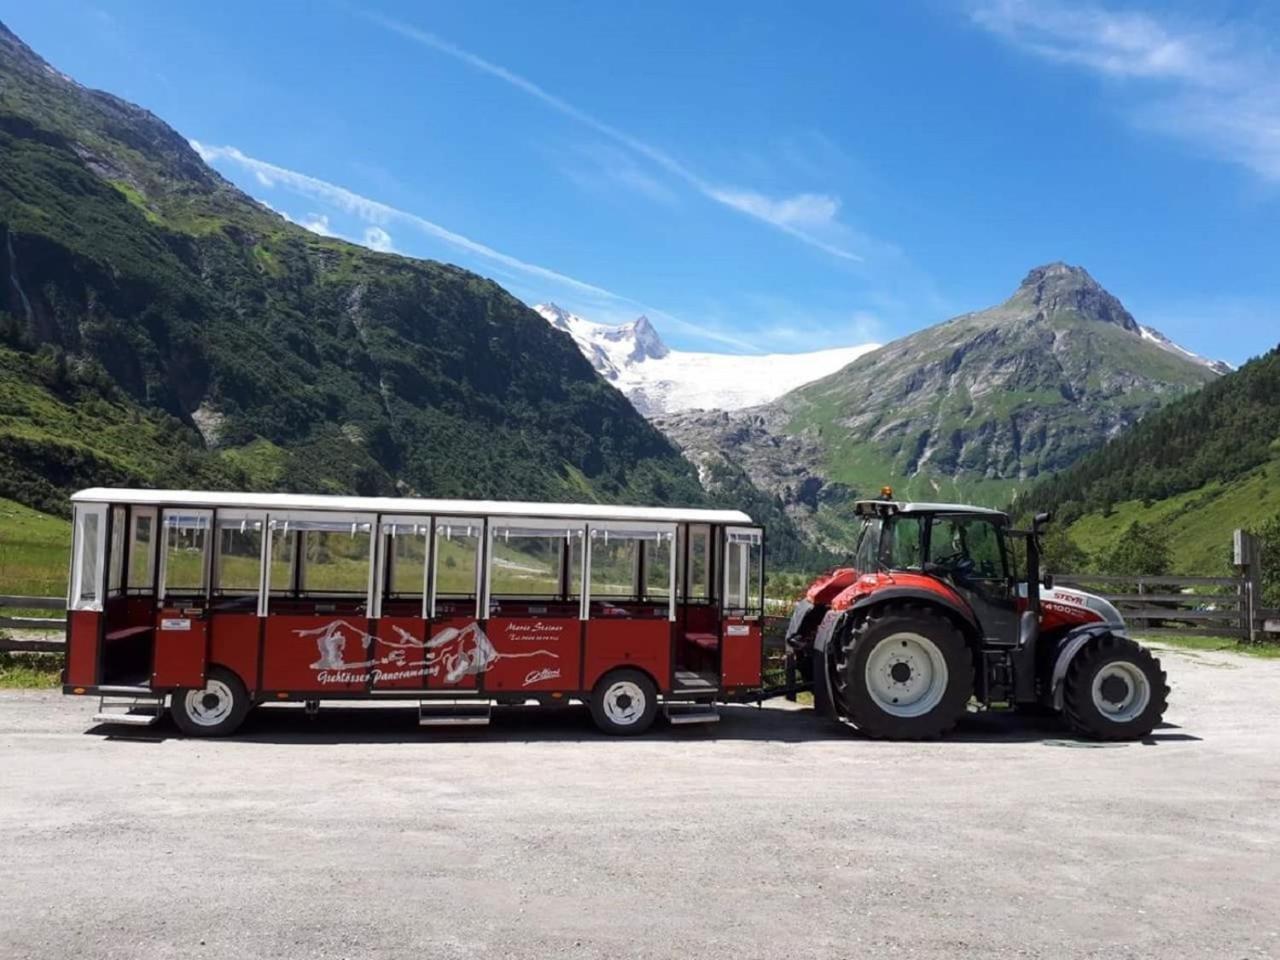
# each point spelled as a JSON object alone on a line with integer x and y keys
{"x": 754, "y": 177}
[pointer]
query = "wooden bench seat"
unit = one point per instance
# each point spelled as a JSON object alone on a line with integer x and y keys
{"x": 126, "y": 632}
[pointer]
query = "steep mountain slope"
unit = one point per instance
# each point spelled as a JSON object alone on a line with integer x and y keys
{"x": 659, "y": 380}
{"x": 159, "y": 326}
{"x": 1197, "y": 469}
{"x": 971, "y": 409}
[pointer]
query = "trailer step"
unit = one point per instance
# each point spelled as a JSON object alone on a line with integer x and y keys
{"x": 135, "y": 711}
{"x": 690, "y": 711}
{"x": 454, "y": 713}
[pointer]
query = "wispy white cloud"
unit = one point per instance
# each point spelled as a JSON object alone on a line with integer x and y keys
{"x": 1213, "y": 85}
{"x": 375, "y": 238}
{"x": 820, "y": 232}
{"x": 317, "y": 223}
{"x": 377, "y": 214}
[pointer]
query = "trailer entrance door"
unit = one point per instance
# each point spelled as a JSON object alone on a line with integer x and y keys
{"x": 743, "y": 607}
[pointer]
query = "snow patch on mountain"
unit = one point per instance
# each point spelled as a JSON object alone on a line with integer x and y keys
{"x": 658, "y": 380}
{"x": 1160, "y": 340}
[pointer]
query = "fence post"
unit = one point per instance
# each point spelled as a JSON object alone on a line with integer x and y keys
{"x": 1247, "y": 556}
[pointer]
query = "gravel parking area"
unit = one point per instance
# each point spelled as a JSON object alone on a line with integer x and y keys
{"x": 771, "y": 834}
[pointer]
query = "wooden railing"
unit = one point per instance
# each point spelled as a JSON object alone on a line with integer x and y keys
{"x": 1191, "y": 606}
{"x": 14, "y": 616}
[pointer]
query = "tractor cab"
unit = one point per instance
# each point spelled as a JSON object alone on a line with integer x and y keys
{"x": 965, "y": 549}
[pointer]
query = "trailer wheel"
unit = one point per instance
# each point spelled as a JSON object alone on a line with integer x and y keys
{"x": 215, "y": 710}
{"x": 904, "y": 673}
{"x": 624, "y": 703}
{"x": 1114, "y": 690}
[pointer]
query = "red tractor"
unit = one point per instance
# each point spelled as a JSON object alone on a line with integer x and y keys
{"x": 932, "y": 614}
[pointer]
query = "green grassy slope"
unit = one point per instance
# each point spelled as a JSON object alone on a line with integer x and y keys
{"x": 1199, "y": 522}
{"x": 158, "y": 326}
{"x": 34, "y": 551}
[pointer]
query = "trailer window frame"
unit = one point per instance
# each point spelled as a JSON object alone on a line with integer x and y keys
{"x": 87, "y": 583}
{"x": 184, "y": 518}
{"x": 644, "y": 533}
{"x": 301, "y": 522}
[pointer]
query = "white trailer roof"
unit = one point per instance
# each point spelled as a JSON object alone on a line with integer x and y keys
{"x": 405, "y": 505}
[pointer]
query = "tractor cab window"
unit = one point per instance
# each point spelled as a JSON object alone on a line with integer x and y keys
{"x": 967, "y": 549}
{"x": 866, "y": 559}
{"x": 903, "y": 544}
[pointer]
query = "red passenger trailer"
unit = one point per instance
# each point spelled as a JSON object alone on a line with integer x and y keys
{"x": 212, "y": 602}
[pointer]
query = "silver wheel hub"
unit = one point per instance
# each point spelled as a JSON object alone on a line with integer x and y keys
{"x": 1121, "y": 691}
{"x": 906, "y": 675}
{"x": 210, "y": 706}
{"x": 624, "y": 703}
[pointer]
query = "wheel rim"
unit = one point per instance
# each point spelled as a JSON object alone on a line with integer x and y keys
{"x": 210, "y": 706}
{"x": 624, "y": 703}
{"x": 1121, "y": 691}
{"x": 906, "y": 675}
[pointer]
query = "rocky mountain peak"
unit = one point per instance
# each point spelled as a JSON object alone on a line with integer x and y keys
{"x": 555, "y": 314}
{"x": 647, "y": 343}
{"x": 1060, "y": 287}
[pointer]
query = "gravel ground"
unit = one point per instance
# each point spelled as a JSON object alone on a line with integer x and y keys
{"x": 769, "y": 835}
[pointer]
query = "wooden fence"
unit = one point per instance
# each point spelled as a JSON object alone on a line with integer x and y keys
{"x": 1192, "y": 606}
{"x": 15, "y": 614}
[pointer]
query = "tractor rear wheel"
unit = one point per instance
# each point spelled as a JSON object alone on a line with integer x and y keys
{"x": 1114, "y": 690}
{"x": 903, "y": 672}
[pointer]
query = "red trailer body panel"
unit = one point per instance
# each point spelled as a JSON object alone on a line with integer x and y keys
{"x": 456, "y": 654}
{"x": 233, "y": 643}
{"x": 533, "y": 655}
{"x": 83, "y": 628}
{"x": 644, "y": 644}
{"x": 181, "y": 648}
{"x": 320, "y": 654}
{"x": 741, "y": 652}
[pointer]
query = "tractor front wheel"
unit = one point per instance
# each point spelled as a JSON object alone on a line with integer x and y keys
{"x": 1114, "y": 690}
{"x": 904, "y": 673}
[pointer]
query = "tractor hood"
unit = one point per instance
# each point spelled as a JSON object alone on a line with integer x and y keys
{"x": 1067, "y": 606}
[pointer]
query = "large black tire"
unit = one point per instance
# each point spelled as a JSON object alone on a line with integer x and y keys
{"x": 217, "y": 710}
{"x": 921, "y": 678}
{"x": 1114, "y": 690}
{"x": 624, "y": 703}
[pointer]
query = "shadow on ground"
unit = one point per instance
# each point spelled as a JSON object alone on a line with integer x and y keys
{"x": 383, "y": 723}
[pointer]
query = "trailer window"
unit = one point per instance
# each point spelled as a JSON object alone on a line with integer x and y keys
{"x": 238, "y": 559}
{"x": 142, "y": 553}
{"x": 335, "y": 562}
{"x": 698, "y": 579}
{"x": 406, "y": 553}
{"x": 86, "y": 581}
{"x": 456, "y": 570}
{"x": 115, "y": 556}
{"x": 632, "y": 563}
{"x": 534, "y": 561}
{"x": 615, "y": 562}
{"x": 283, "y": 560}
{"x": 744, "y": 572}
{"x": 186, "y": 552}
{"x": 656, "y": 563}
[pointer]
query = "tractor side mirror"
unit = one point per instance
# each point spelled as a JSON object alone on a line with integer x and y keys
{"x": 1040, "y": 520}
{"x": 1047, "y": 580}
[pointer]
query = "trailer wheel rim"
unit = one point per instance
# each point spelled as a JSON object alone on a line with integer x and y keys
{"x": 211, "y": 705}
{"x": 1121, "y": 691}
{"x": 906, "y": 675}
{"x": 624, "y": 703}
